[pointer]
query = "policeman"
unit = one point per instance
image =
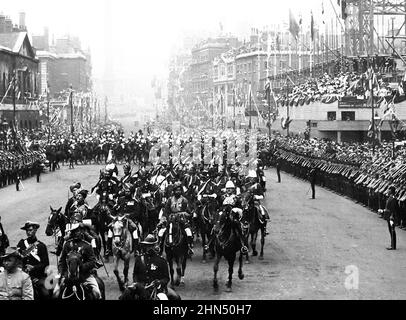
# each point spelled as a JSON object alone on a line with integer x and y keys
{"x": 77, "y": 243}
{"x": 15, "y": 284}
{"x": 149, "y": 268}
{"x": 35, "y": 258}
{"x": 390, "y": 211}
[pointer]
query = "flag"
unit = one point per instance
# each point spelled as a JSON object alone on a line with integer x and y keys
{"x": 344, "y": 9}
{"x": 293, "y": 25}
{"x": 311, "y": 26}
{"x": 322, "y": 11}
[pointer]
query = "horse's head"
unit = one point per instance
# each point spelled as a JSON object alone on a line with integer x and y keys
{"x": 118, "y": 225}
{"x": 74, "y": 264}
{"x": 136, "y": 291}
{"x": 53, "y": 220}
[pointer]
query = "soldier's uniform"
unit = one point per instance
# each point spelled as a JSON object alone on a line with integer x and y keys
{"x": 88, "y": 262}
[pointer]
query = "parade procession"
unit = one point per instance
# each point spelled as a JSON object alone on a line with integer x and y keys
{"x": 263, "y": 164}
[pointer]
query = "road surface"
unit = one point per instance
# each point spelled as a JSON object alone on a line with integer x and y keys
{"x": 310, "y": 245}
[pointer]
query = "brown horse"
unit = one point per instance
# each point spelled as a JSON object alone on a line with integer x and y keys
{"x": 227, "y": 244}
{"x": 73, "y": 287}
{"x": 122, "y": 247}
{"x": 176, "y": 247}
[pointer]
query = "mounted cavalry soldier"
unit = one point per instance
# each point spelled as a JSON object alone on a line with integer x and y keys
{"x": 179, "y": 205}
{"x": 74, "y": 189}
{"x": 77, "y": 243}
{"x": 254, "y": 187}
{"x": 231, "y": 201}
{"x": 35, "y": 258}
{"x": 150, "y": 268}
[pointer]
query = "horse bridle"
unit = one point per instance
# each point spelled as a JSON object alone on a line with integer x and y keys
{"x": 121, "y": 235}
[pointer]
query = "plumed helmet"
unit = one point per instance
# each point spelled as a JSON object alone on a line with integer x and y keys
{"x": 230, "y": 184}
{"x": 127, "y": 166}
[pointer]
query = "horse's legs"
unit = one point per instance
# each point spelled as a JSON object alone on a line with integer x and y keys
{"x": 178, "y": 270}
{"x": 240, "y": 273}
{"x": 126, "y": 267}
{"x": 261, "y": 254}
{"x": 216, "y": 269}
{"x": 254, "y": 243}
{"x": 230, "y": 261}
{"x": 204, "y": 246}
{"x": 184, "y": 260}
{"x": 117, "y": 274}
{"x": 169, "y": 258}
{"x": 103, "y": 239}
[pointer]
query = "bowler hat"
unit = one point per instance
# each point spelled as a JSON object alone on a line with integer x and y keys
{"x": 29, "y": 224}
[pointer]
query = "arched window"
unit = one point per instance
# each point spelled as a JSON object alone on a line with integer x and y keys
{"x": 30, "y": 124}
{"x": 21, "y": 124}
{"x": 36, "y": 123}
{"x": 25, "y": 124}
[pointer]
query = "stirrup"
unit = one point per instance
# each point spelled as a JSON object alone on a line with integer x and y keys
{"x": 244, "y": 250}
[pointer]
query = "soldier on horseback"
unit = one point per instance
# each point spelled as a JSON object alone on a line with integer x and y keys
{"x": 179, "y": 205}
{"x": 231, "y": 202}
{"x": 78, "y": 244}
{"x": 74, "y": 189}
{"x": 35, "y": 258}
{"x": 254, "y": 187}
{"x": 149, "y": 268}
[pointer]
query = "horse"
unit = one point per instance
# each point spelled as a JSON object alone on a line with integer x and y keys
{"x": 176, "y": 247}
{"x": 205, "y": 222}
{"x": 252, "y": 214}
{"x": 103, "y": 215}
{"x": 227, "y": 244}
{"x": 56, "y": 224}
{"x": 137, "y": 291}
{"x": 122, "y": 246}
{"x": 73, "y": 287}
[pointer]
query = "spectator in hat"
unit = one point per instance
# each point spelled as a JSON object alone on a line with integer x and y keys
{"x": 15, "y": 284}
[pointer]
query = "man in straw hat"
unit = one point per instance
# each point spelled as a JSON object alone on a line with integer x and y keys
{"x": 15, "y": 284}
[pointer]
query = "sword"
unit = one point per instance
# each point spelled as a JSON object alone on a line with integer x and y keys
{"x": 103, "y": 265}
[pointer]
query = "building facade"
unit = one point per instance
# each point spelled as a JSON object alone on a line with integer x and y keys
{"x": 18, "y": 61}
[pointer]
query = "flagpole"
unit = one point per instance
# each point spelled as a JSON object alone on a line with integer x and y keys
{"x": 373, "y": 113}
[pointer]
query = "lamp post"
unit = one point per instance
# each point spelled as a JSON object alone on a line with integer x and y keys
{"x": 268, "y": 100}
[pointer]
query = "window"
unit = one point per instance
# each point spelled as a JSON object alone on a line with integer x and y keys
{"x": 348, "y": 115}
{"x": 314, "y": 124}
{"x": 331, "y": 116}
{"x": 266, "y": 65}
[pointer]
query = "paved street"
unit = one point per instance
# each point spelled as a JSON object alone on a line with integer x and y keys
{"x": 309, "y": 246}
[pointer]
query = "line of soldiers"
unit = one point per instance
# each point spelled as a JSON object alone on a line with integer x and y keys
{"x": 15, "y": 167}
{"x": 347, "y": 169}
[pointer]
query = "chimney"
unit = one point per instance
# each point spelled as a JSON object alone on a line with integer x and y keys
{"x": 8, "y": 25}
{"x": 2, "y": 23}
{"x": 46, "y": 38}
{"x": 22, "y": 21}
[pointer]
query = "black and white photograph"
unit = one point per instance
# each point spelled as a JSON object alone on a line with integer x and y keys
{"x": 205, "y": 151}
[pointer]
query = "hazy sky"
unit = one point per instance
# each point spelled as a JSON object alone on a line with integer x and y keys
{"x": 144, "y": 33}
